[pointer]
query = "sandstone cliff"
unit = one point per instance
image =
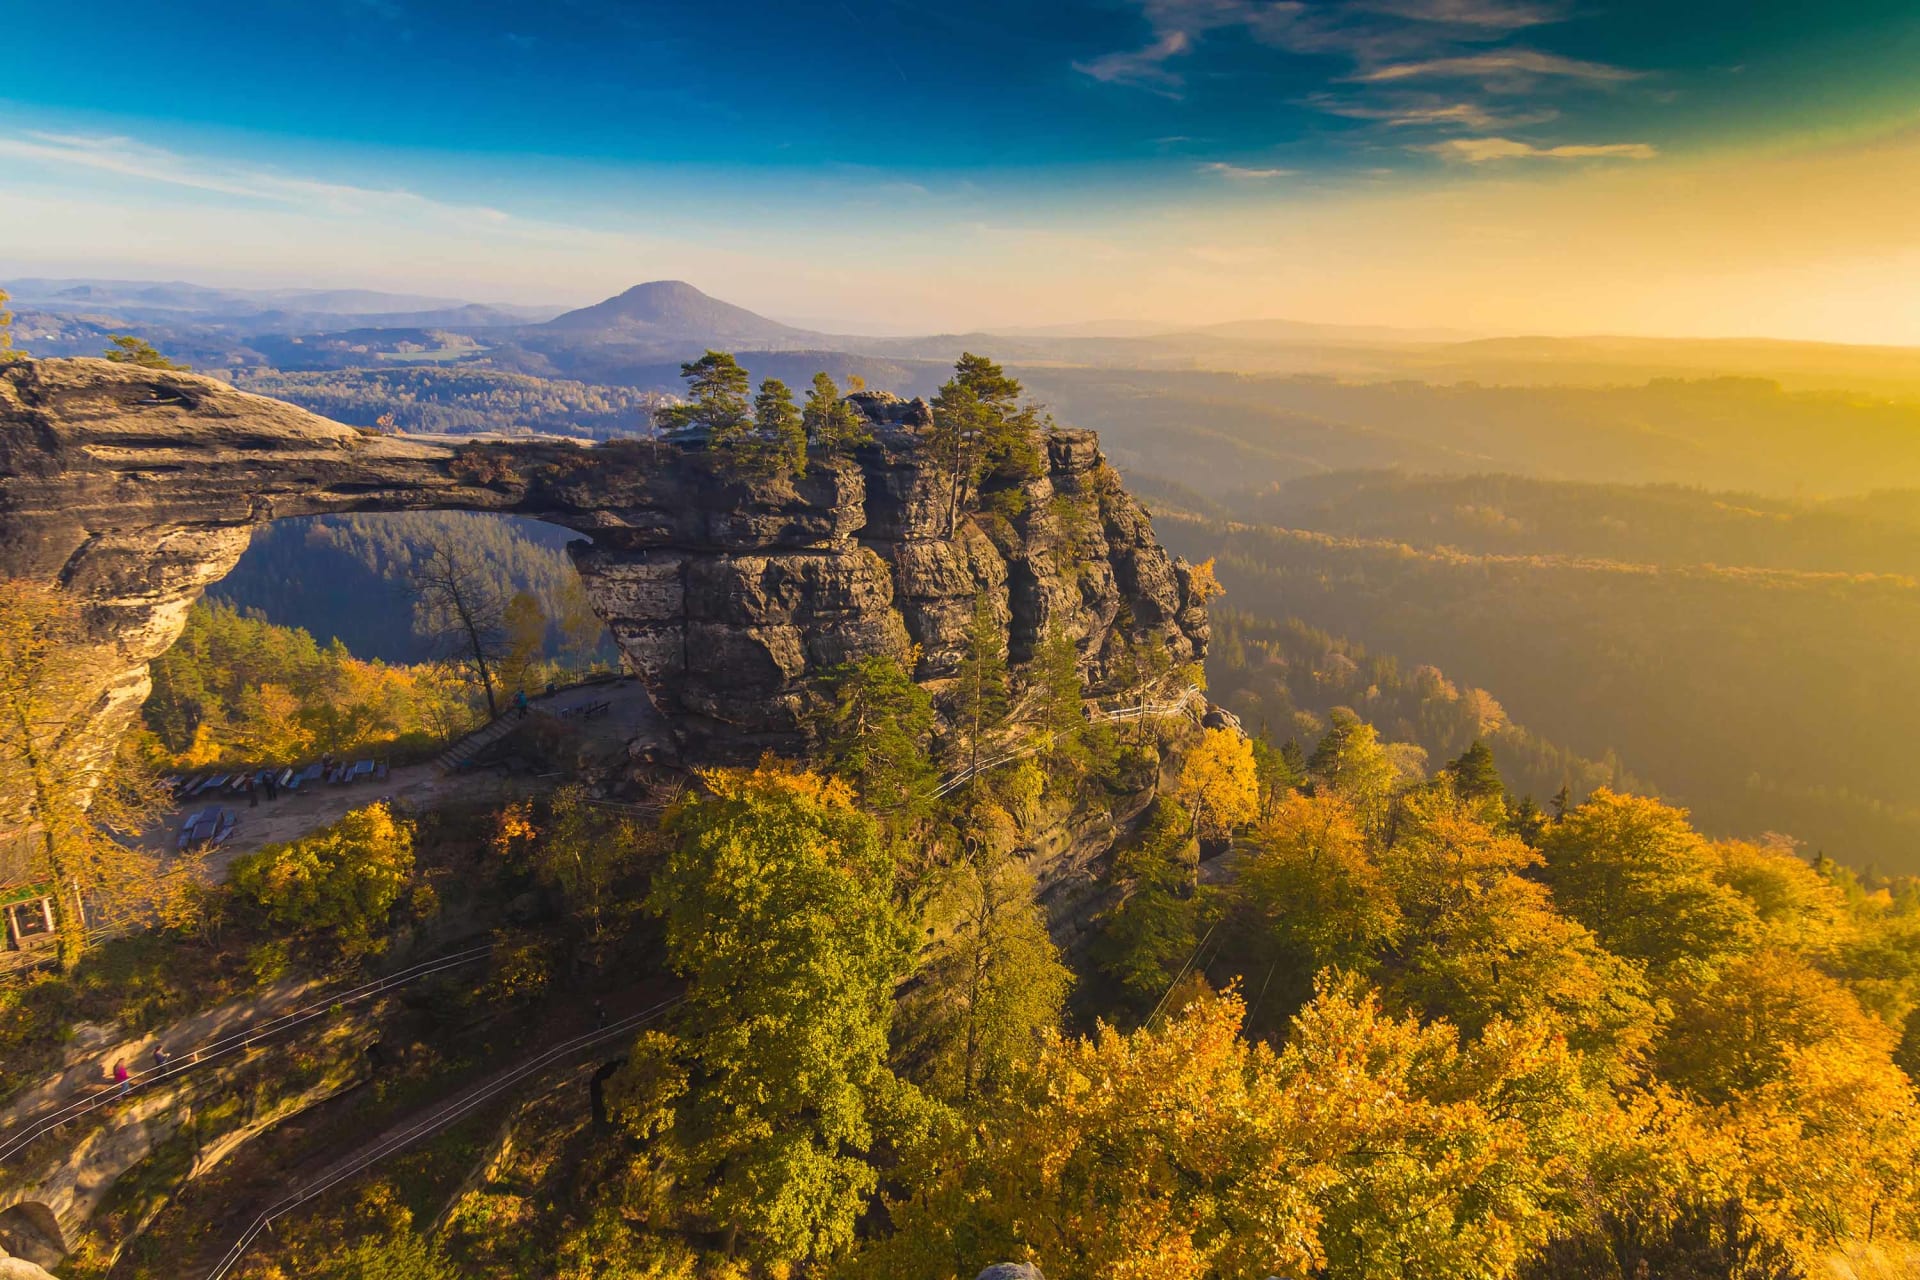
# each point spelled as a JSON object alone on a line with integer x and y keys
{"x": 138, "y": 488}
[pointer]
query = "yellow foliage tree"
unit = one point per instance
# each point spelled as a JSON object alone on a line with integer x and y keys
{"x": 1368, "y": 1147}
{"x": 1219, "y": 786}
{"x": 57, "y": 784}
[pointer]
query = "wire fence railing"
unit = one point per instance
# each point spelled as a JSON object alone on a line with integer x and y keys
{"x": 227, "y": 1044}
{"x": 1096, "y": 714}
{"x": 435, "y": 1120}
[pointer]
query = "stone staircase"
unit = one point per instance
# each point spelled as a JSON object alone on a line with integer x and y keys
{"x": 464, "y": 751}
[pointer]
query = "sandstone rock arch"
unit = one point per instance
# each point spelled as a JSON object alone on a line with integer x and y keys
{"x": 137, "y": 488}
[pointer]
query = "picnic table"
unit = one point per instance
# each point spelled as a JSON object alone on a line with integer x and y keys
{"x": 209, "y": 827}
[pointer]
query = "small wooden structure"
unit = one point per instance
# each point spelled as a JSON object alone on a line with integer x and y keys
{"x": 26, "y": 911}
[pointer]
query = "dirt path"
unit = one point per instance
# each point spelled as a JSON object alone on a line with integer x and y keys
{"x": 417, "y": 788}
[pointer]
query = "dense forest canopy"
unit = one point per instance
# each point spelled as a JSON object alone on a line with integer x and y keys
{"x": 348, "y": 578}
{"x": 1767, "y": 699}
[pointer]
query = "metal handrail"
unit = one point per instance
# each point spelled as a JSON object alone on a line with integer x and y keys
{"x": 232, "y": 1042}
{"x": 436, "y": 1120}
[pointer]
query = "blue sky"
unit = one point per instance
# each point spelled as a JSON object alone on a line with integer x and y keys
{"x": 912, "y": 165}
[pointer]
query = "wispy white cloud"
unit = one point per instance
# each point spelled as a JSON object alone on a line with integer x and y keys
{"x": 127, "y": 158}
{"x": 1486, "y": 150}
{"x": 1141, "y": 68}
{"x": 1368, "y": 32}
{"x": 1243, "y": 173}
{"x": 1506, "y": 69}
{"x": 1432, "y": 113}
{"x": 1493, "y": 15}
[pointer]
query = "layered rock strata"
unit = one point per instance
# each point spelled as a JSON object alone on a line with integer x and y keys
{"x": 730, "y": 597}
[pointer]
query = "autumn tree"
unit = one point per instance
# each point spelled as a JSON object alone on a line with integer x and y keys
{"x": 1368, "y": 1147}
{"x": 6, "y": 330}
{"x": 1757, "y": 1019}
{"x": 1350, "y": 760}
{"x": 1310, "y": 896}
{"x": 778, "y": 905}
{"x": 58, "y": 784}
{"x": 1643, "y": 880}
{"x": 523, "y": 628}
{"x": 1480, "y": 938}
{"x": 127, "y": 349}
{"x": 1218, "y": 785}
{"x": 340, "y": 882}
{"x": 992, "y": 981}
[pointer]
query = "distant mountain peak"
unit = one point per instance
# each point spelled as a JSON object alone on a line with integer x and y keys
{"x": 672, "y": 309}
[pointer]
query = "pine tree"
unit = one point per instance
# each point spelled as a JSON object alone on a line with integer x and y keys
{"x": 1475, "y": 776}
{"x": 780, "y": 444}
{"x": 981, "y": 694}
{"x": 127, "y": 349}
{"x": 832, "y": 425}
{"x": 1062, "y": 712}
{"x": 717, "y": 407}
{"x": 873, "y": 733}
{"x": 982, "y": 430}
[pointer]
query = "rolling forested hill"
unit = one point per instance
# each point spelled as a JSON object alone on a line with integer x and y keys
{"x": 1224, "y": 433}
{"x": 1764, "y": 698}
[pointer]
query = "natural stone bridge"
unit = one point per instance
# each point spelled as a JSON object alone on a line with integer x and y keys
{"x": 138, "y": 488}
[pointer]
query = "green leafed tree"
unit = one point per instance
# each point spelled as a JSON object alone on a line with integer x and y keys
{"x": 1636, "y": 873}
{"x": 832, "y": 425}
{"x": 992, "y": 983}
{"x": 780, "y": 444}
{"x": 982, "y": 431}
{"x": 779, "y": 910}
{"x": 1074, "y": 745}
{"x": 1351, "y": 761}
{"x": 981, "y": 693}
{"x": 1144, "y": 941}
{"x": 873, "y": 732}
{"x": 1475, "y": 776}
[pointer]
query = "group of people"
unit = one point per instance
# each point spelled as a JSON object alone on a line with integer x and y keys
{"x": 265, "y": 780}
{"x": 123, "y": 1075}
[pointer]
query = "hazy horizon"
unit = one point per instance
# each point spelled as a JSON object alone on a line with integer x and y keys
{"x": 1493, "y": 166}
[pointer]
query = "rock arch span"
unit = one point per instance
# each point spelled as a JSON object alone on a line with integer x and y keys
{"x": 137, "y": 488}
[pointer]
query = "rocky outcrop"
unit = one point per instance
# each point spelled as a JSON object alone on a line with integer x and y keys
{"x": 138, "y": 488}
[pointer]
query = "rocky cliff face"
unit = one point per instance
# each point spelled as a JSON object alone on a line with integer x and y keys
{"x": 138, "y": 488}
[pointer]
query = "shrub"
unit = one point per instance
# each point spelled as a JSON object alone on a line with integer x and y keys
{"x": 340, "y": 882}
